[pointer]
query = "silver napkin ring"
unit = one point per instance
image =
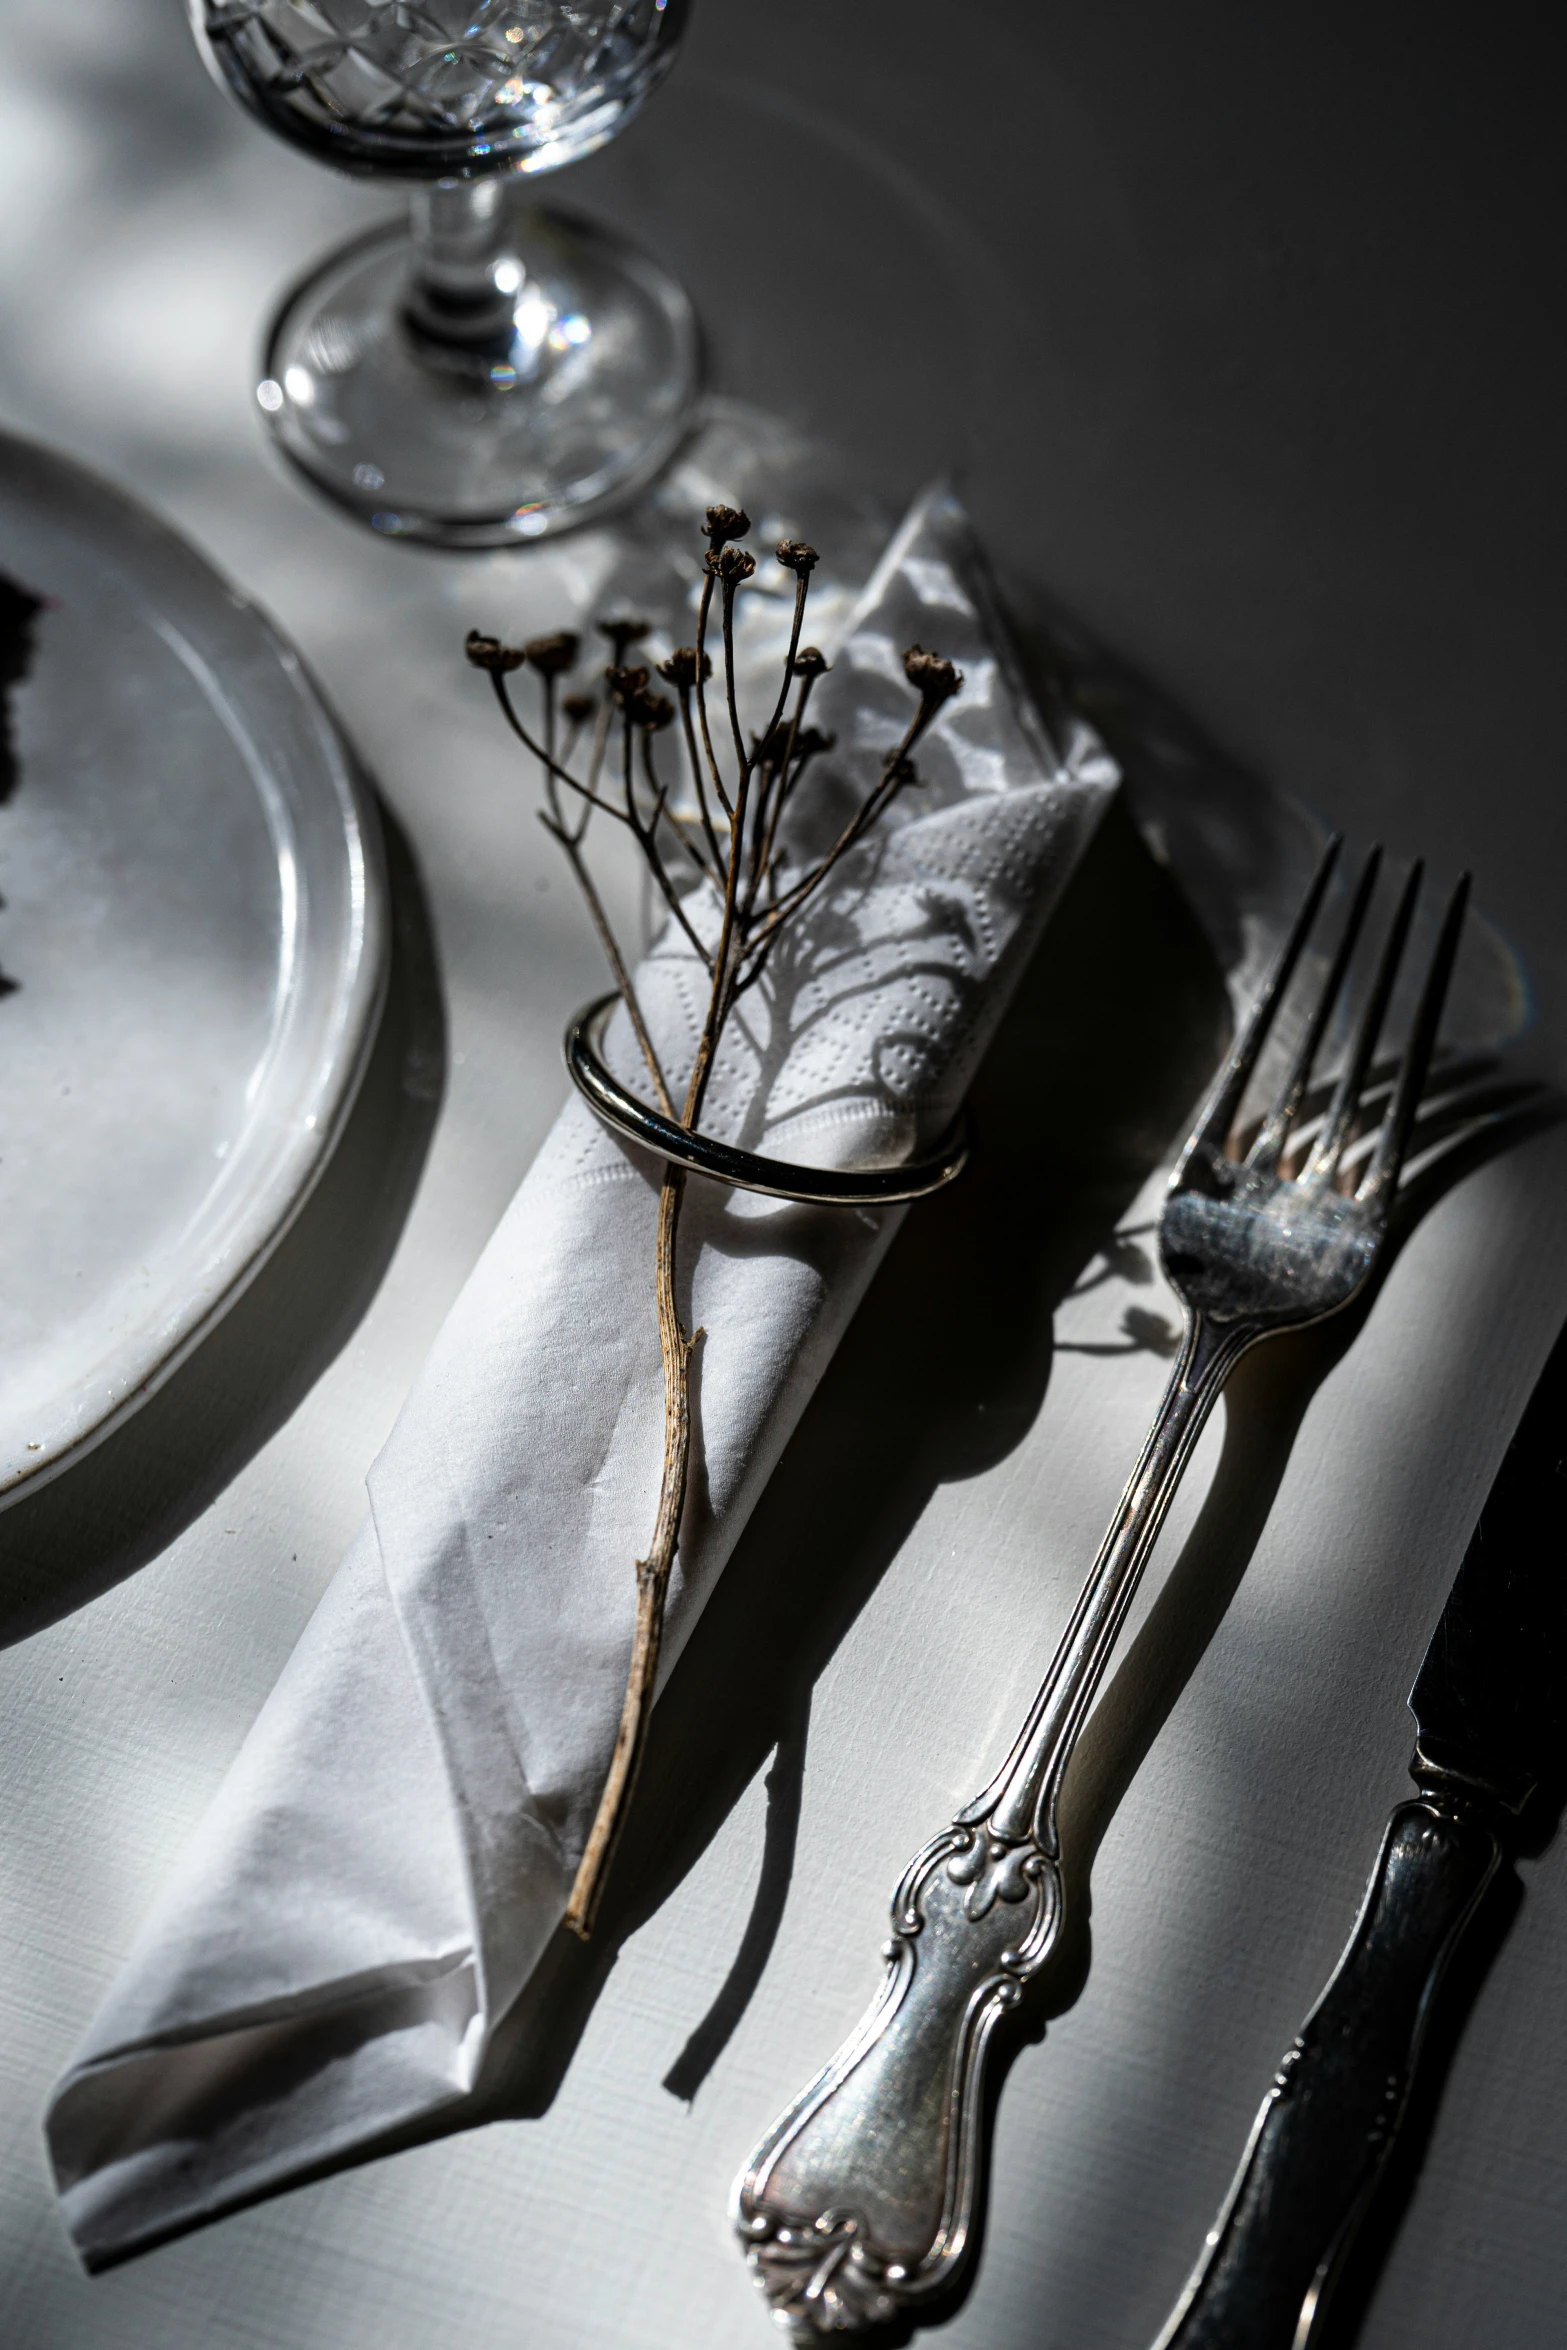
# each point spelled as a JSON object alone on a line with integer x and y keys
{"x": 778, "y": 1178}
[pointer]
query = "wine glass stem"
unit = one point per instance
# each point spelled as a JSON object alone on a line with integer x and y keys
{"x": 465, "y": 282}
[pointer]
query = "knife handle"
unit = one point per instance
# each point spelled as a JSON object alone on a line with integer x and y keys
{"x": 1328, "y": 2123}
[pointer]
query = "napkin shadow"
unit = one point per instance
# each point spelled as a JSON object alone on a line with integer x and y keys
{"x": 120, "y": 1505}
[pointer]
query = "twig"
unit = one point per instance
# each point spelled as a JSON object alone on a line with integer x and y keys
{"x": 613, "y": 956}
{"x": 738, "y": 865}
{"x": 652, "y": 1572}
{"x": 674, "y": 670}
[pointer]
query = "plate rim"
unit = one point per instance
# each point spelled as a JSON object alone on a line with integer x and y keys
{"x": 362, "y": 977}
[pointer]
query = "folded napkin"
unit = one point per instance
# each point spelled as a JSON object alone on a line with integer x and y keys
{"x": 397, "y": 1839}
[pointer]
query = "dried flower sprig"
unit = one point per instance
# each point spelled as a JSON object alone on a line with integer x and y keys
{"x": 723, "y": 860}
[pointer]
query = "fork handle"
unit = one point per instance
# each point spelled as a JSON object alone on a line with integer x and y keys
{"x": 1020, "y": 1802}
{"x": 1328, "y": 2124}
{"x": 860, "y": 2199}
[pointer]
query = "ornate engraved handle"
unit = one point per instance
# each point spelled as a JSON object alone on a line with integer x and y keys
{"x": 860, "y": 2199}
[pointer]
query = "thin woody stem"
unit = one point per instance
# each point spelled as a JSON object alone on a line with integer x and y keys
{"x": 801, "y": 591}
{"x": 743, "y": 763}
{"x": 555, "y": 824}
{"x": 653, "y": 1573}
{"x": 595, "y": 764}
{"x": 699, "y": 779}
{"x": 762, "y": 861}
{"x": 551, "y": 788}
{"x": 662, "y": 813}
{"x": 667, "y": 889}
{"x": 615, "y": 960}
{"x": 702, "y": 611}
{"x": 659, "y": 791}
{"x": 642, "y": 833}
{"x": 554, "y": 772}
{"x": 676, "y": 1349}
{"x": 884, "y": 791}
{"x": 719, "y": 1005}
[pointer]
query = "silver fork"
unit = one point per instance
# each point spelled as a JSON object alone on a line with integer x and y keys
{"x": 859, "y": 2202}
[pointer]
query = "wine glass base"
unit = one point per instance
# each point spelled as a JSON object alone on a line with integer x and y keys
{"x": 561, "y": 416}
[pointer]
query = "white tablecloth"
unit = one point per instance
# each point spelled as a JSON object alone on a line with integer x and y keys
{"x": 150, "y": 228}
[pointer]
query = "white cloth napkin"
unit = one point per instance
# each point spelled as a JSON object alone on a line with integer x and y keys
{"x": 396, "y": 1841}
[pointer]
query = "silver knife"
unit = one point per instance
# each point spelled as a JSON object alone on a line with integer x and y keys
{"x": 1485, "y": 1708}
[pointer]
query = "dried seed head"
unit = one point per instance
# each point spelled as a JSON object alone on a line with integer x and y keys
{"x": 622, "y": 633}
{"x": 932, "y": 676}
{"x": 900, "y": 772}
{"x": 809, "y": 742}
{"x": 724, "y": 523}
{"x": 649, "y": 710}
{"x": 730, "y": 564}
{"x": 579, "y": 708}
{"x": 551, "y": 654}
{"x": 796, "y": 556}
{"x": 487, "y": 652}
{"x": 624, "y": 683}
{"x": 682, "y": 669}
{"x": 808, "y": 662}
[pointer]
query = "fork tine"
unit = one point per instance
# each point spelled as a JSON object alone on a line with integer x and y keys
{"x": 1266, "y": 1151}
{"x": 1218, "y": 1114}
{"x": 1397, "y": 1124}
{"x": 1322, "y": 1165}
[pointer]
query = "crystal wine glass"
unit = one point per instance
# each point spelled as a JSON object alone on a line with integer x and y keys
{"x": 487, "y": 371}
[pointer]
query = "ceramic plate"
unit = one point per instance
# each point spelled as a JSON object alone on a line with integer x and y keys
{"x": 193, "y": 944}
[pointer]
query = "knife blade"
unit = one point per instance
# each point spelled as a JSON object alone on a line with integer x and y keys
{"x": 1484, "y": 1700}
{"x": 1487, "y": 1720}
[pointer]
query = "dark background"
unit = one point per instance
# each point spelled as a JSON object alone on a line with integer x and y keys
{"x": 1244, "y": 325}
